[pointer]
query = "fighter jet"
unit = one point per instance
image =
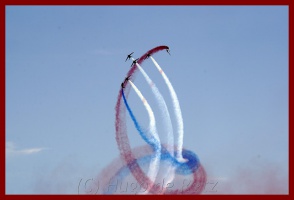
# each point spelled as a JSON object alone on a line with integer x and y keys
{"x": 134, "y": 62}
{"x": 167, "y": 50}
{"x": 126, "y": 79}
{"x": 147, "y": 56}
{"x": 129, "y": 56}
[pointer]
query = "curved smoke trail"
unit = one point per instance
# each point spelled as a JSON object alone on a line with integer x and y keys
{"x": 163, "y": 108}
{"x": 110, "y": 178}
{"x": 131, "y": 160}
{"x": 166, "y": 118}
{"x": 153, "y": 138}
{"x": 122, "y": 140}
{"x": 151, "y": 141}
{"x": 177, "y": 110}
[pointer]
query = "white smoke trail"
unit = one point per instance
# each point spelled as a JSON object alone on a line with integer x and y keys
{"x": 154, "y": 164}
{"x": 177, "y": 110}
{"x": 166, "y": 118}
{"x": 163, "y": 109}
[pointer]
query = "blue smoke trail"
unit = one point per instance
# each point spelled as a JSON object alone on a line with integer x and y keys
{"x": 154, "y": 145}
{"x": 193, "y": 162}
{"x": 181, "y": 168}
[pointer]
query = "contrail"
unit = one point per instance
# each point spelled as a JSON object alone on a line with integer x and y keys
{"x": 154, "y": 139}
{"x": 177, "y": 110}
{"x": 166, "y": 118}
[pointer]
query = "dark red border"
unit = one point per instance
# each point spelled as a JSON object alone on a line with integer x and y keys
{"x": 147, "y": 2}
{"x": 3, "y": 3}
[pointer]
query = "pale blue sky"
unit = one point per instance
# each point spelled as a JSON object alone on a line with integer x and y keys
{"x": 64, "y": 66}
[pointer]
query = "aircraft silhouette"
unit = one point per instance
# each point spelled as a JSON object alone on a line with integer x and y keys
{"x": 134, "y": 62}
{"x": 147, "y": 56}
{"x": 126, "y": 79}
{"x": 129, "y": 56}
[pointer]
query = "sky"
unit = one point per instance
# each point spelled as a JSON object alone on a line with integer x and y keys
{"x": 65, "y": 64}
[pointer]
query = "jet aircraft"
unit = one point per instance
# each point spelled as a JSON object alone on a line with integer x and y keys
{"x": 147, "y": 56}
{"x": 129, "y": 56}
{"x": 134, "y": 62}
{"x": 126, "y": 79}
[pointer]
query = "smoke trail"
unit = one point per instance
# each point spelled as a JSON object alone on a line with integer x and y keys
{"x": 167, "y": 121}
{"x": 163, "y": 109}
{"x": 153, "y": 139}
{"x": 153, "y": 142}
{"x": 121, "y": 129}
{"x": 195, "y": 183}
{"x": 177, "y": 110}
{"x": 128, "y": 155}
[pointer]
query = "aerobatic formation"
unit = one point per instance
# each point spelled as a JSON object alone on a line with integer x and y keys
{"x": 155, "y": 168}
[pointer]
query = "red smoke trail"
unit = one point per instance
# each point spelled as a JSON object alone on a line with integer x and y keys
{"x": 126, "y": 153}
{"x": 121, "y": 131}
